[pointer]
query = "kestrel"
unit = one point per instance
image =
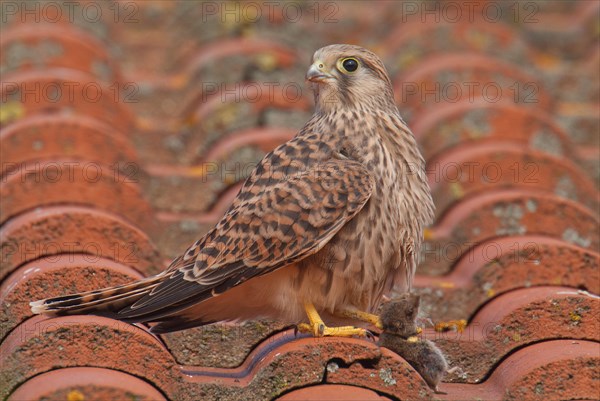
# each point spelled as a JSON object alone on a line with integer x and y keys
{"x": 325, "y": 225}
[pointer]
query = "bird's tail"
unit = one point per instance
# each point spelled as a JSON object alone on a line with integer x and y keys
{"x": 105, "y": 302}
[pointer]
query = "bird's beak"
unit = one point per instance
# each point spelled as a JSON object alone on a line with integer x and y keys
{"x": 318, "y": 73}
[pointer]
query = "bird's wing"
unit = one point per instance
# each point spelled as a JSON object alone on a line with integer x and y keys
{"x": 281, "y": 220}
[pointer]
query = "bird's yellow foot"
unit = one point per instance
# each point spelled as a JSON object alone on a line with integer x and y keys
{"x": 362, "y": 316}
{"x": 318, "y": 328}
{"x": 458, "y": 325}
{"x": 366, "y": 317}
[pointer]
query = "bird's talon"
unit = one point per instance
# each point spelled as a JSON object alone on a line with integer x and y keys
{"x": 456, "y": 325}
{"x": 318, "y": 328}
{"x": 362, "y": 316}
{"x": 304, "y": 328}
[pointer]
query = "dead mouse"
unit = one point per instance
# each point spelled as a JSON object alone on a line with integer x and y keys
{"x": 398, "y": 318}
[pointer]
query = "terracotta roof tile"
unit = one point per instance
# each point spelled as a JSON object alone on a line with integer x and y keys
{"x": 333, "y": 392}
{"x": 464, "y": 123}
{"x": 66, "y": 91}
{"x": 409, "y": 43}
{"x": 55, "y": 46}
{"x": 512, "y": 321}
{"x": 54, "y": 230}
{"x": 176, "y": 105}
{"x": 74, "y": 180}
{"x": 464, "y": 77}
{"x": 84, "y": 341}
{"x": 496, "y": 266}
{"x": 467, "y": 170}
{"x": 44, "y": 137}
{"x": 51, "y": 276}
{"x": 86, "y": 383}
{"x": 552, "y": 370}
{"x": 505, "y": 213}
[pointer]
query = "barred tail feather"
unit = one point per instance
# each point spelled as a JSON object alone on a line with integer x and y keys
{"x": 105, "y": 302}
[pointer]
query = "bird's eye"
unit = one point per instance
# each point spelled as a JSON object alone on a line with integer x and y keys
{"x": 349, "y": 64}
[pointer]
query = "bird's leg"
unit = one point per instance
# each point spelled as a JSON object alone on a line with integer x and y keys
{"x": 317, "y": 327}
{"x": 362, "y": 316}
{"x": 365, "y": 317}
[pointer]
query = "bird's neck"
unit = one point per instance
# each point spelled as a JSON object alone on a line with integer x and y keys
{"x": 381, "y": 141}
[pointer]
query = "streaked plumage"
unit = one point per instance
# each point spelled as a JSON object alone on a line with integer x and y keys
{"x": 334, "y": 216}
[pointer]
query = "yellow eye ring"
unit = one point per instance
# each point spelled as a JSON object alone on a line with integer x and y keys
{"x": 348, "y": 65}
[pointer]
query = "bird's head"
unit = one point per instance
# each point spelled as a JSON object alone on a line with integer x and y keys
{"x": 346, "y": 76}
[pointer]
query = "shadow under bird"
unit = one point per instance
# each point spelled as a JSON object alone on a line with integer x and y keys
{"x": 325, "y": 225}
